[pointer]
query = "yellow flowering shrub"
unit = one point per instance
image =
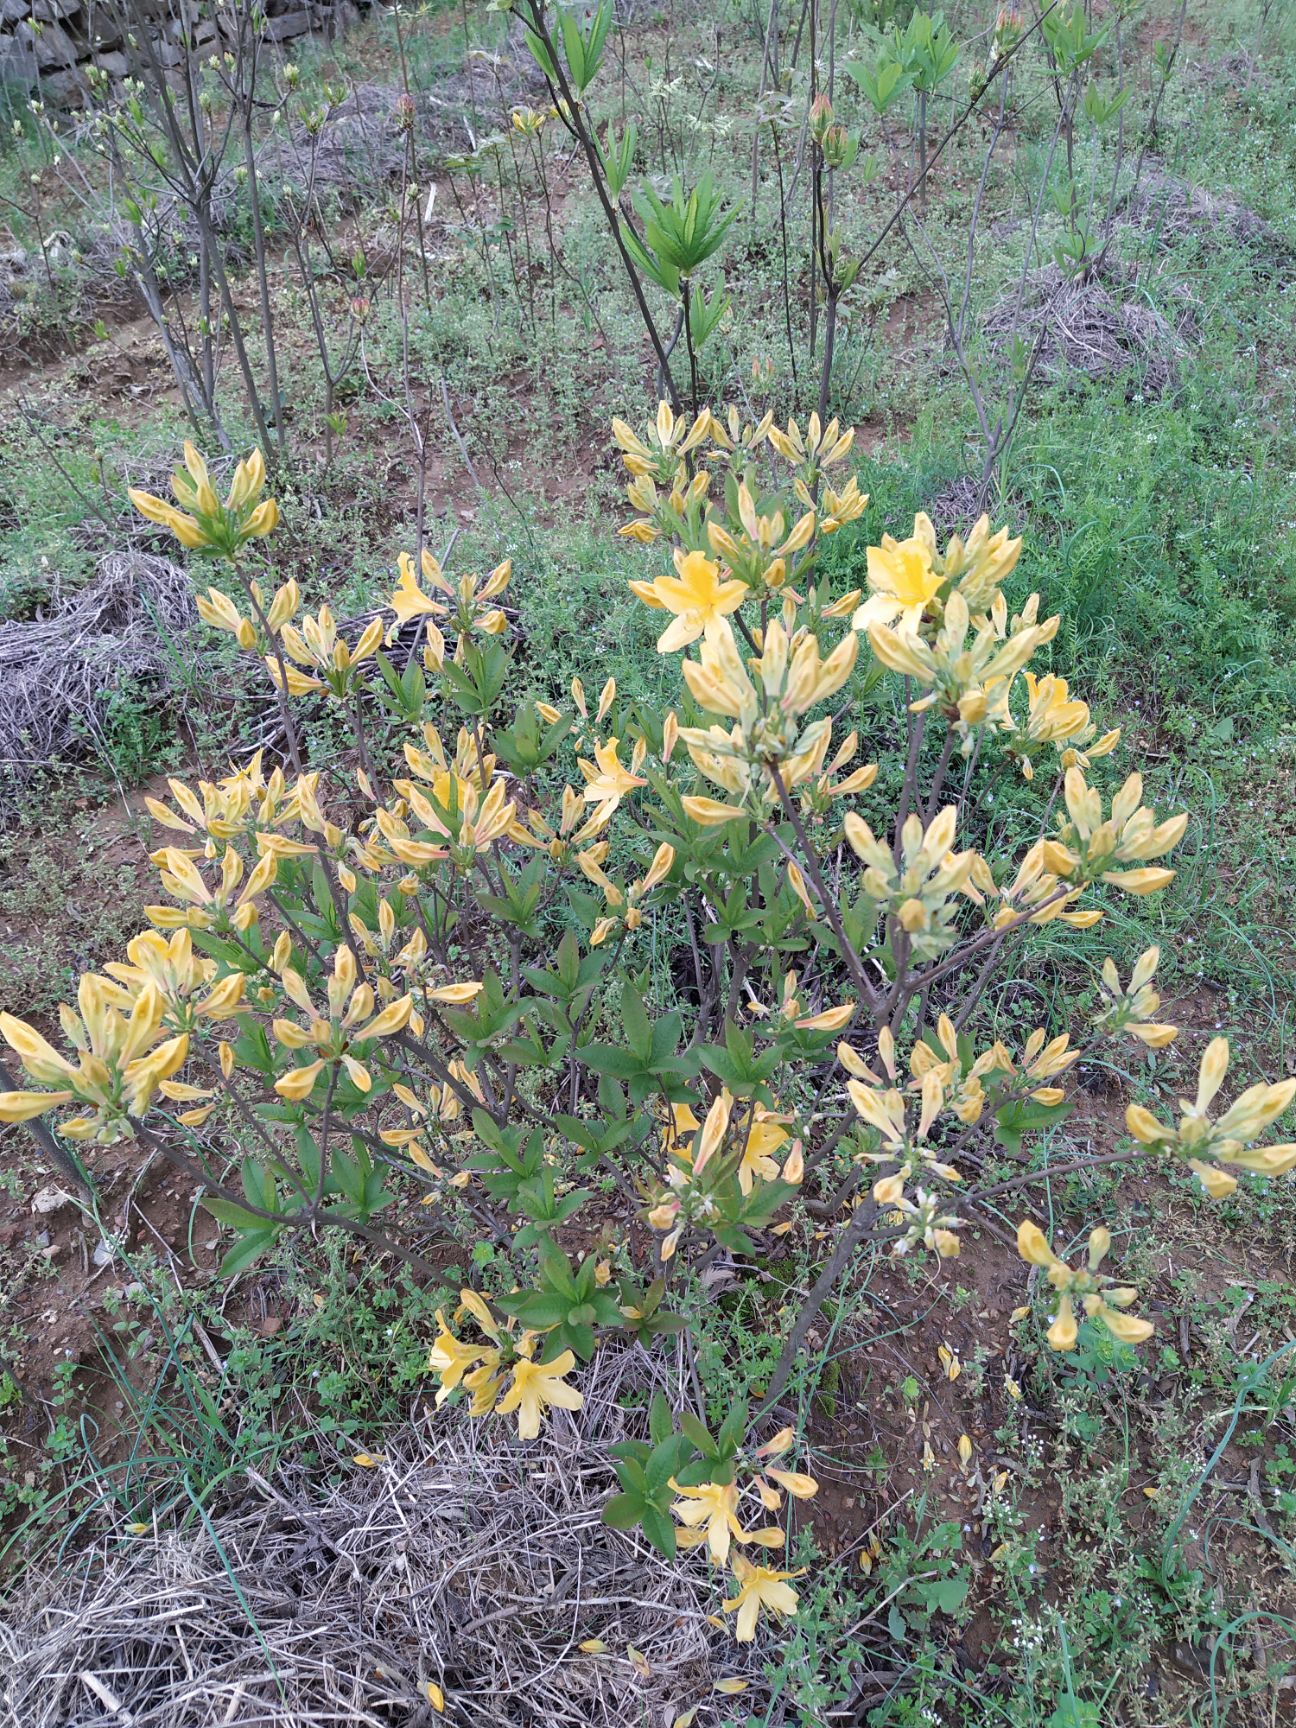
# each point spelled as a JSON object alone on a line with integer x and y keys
{"x": 421, "y": 980}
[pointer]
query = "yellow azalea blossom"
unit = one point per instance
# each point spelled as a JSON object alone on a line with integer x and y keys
{"x": 967, "y": 665}
{"x": 203, "y": 522}
{"x": 1100, "y": 1297}
{"x": 765, "y": 1137}
{"x": 794, "y": 1482}
{"x": 758, "y": 553}
{"x": 926, "y": 1225}
{"x": 696, "y": 596}
{"x": 670, "y": 438}
{"x": 120, "y": 1063}
{"x": 1054, "y": 717}
{"x": 842, "y": 507}
{"x": 337, "y": 1033}
{"x": 1131, "y": 1009}
{"x": 318, "y": 658}
{"x": 455, "y": 810}
{"x": 759, "y": 1587}
{"x": 768, "y": 736}
{"x": 1207, "y": 1143}
{"x": 186, "y": 982}
{"x": 902, "y": 581}
{"x": 1088, "y": 845}
{"x": 244, "y": 801}
{"x": 913, "y": 582}
{"x": 818, "y": 447}
{"x": 712, "y": 1511}
{"x": 535, "y": 1387}
{"x": 1034, "y": 895}
{"x": 230, "y": 905}
{"x": 469, "y": 603}
{"x": 407, "y": 600}
{"x": 606, "y": 780}
{"x": 917, "y": 891}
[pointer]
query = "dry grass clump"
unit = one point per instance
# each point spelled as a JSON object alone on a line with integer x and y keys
{"x": 1170, "y": 209}
{"x": 58, "y": 672}
{"x": 1101, "y": 326}
{"x": 462, "y": 1558}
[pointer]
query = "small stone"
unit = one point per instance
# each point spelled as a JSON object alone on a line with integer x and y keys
{"x": 51, "y": 1199}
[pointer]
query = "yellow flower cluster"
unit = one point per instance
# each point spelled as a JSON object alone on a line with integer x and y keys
{"x": 1206, "y": 1143}
{"x": 467, "y": 606}
{"x": 768, "y": 751}
{"x": 709, "y": 1515}
{"x": 501, "y": 1374}
{"x": 942, "y": 1076}
{"x": 758, "y": 547}
{"x": 463, "y": 812}
{"x": 1053, "y": 717}
{"x": 341, "y": 1033}
{"x": 124, "y": 1057}
{"x": 1131, "y": 1009}
{"x": 691, "y": 1148}
{"x": 203, "y": 523}
{"x": 918, "y": 888}
{"x": 1100, "y": 1297}
{"x": 1088, "y": 846}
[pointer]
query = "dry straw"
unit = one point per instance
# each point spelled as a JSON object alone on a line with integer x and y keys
{"x": 1102, "y": 325}
{"x": 459, "y": 1558}
{"x": 58, "y": 672}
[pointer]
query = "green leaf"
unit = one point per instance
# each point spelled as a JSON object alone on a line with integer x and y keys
{"x": 660, "y": 1530}
{"x": 622, "y": 1512}
{"x": 235, "y": 1216}
{"x": 638, "y": 1027}
{"x": 247, "y": 1249}
{"x": 948, "y": 1594}
{"x": 699, "y": 1434}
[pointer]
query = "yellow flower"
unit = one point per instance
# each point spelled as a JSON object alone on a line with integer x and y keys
{"x": 1087, "y": 845}
{"x": 202, "y": 908}
{"x": 917, "y": 890}
{"x": 1101, "y": 1297}
{"x": 321, "y": 659}
{"x": 450, "y": 1360}
{"x": 670, "y": 438}
{"x": 121, "y": 1064}
{"x": 967, "y": 678}
{"x": 203, "y": 522}
{"x": 764, "y": 1138}
{"x": 902, "y": 580}
{"x": 759, "y": 1587}
{"x": 536, "y": 1385}
{"x": 1227, "y": 1139}
{"x": 820, "y": 447}
{"x": 842, "y": 507}
{"x": 1129, "y": 1010}
{"x": 794, "y": 1482}
{"x": 696, "y": 595}
{"x": 712, "y": 1510}
{"x": 407, "y": 600}
{"x": 607, "y": 781}
{"x": 1054, "y": 717}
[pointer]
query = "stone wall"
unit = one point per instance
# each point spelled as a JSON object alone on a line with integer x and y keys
{"x": 46, "y": 45}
